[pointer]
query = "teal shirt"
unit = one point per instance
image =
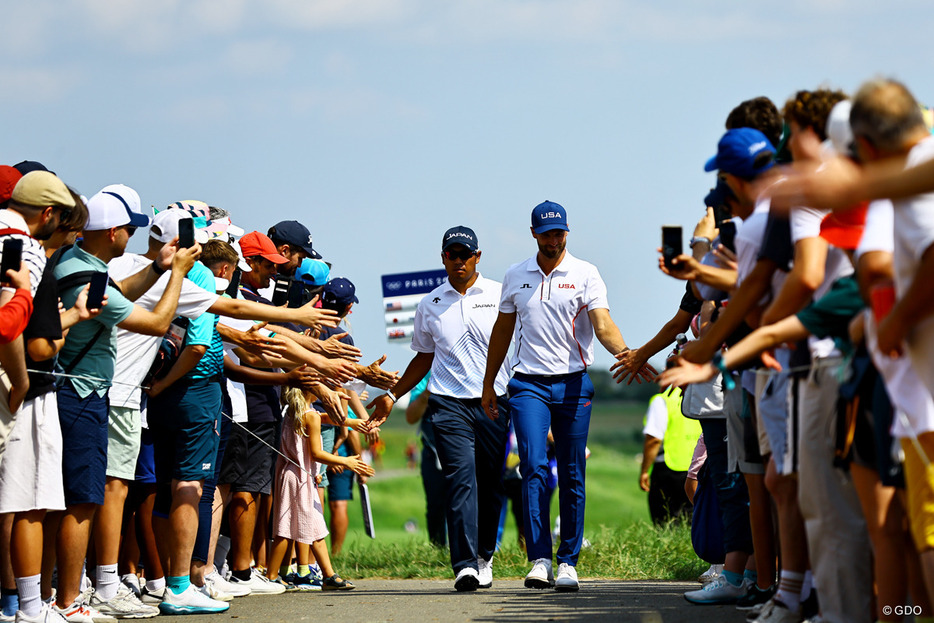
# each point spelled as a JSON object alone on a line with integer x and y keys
{"x": 99, "y": 360}
{"x": 202, "y": 330}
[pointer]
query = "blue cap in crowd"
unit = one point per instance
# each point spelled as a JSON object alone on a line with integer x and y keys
{"x": 743, "y": 152}
{"x": 313, "y": 272}
{"x": 460, "y": 235}
{"x": 549, "y": 215}
{"x": 340, "y": 291}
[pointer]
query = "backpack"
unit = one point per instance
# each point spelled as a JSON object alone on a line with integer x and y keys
{"x": 169, "y": 350}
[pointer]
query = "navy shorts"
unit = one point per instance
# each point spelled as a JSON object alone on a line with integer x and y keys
{"x": 250, "y": 457}
{"x": 146, "y": 461}
{"x": 84, "y": 431}
{"x": 340, "y": 486}
{"x": 184, "y": 425}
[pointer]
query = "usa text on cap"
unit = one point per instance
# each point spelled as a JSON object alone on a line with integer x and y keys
{"x": 549, "y": 215}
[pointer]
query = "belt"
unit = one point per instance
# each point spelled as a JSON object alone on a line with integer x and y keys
{"x": 548, "y": 378}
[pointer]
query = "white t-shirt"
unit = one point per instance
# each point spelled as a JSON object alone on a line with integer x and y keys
{"x": 554, "y": 334}
{"x": 457, "y": 330}
{"x": 879, "y": 232}
{"x": 656, "y": 418}
{"x": 805, "y": 223}
{"x": 235, "y": 390}
{"x": 135, "y": 351}
{"x": 33, "y": 255}
{"x": 749, "y": 235}
{"x": 914, "y": 234}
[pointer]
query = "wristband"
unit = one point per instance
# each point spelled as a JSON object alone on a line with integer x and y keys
{"x": 728, "y": 382}
{"x": 392, "y": 397}
{"x": 697, "y": 239}
{"x": 156, "y": 269}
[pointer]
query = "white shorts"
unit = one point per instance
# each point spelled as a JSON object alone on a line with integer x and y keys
{"x": 31, "y": 471}
{"x": 7, "y": 417}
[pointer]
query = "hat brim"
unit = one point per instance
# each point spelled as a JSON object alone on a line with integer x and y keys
{"x": 138, "y": 220}
{"x": 711, "y": 164}
{"x": 275, "y": 258}
{"x": 541, "y": 229}
{"x": 312, "y": 253}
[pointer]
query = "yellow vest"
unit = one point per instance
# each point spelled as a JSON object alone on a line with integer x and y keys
{"x": 680, "y": 435}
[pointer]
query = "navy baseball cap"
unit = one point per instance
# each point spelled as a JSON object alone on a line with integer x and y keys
{"x": 340, "y": 291}
{"x": 460, "y": 235}
{"x": 743, "y": 152}
{"x": 549, "y": 215}
{"x": 294, "y": 233}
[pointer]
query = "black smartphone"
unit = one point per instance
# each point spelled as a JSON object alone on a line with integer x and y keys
{"x": 12, "y": 257}
{"x": 280, "y": 294}
{"x": 97, "y": 290}
{"x": 297, "y": 296}
{"x": 672, "y": 244}
{"x": 186, "y": 233}
{"x": 234, "y": 286}
{"x": 728, "y": 235}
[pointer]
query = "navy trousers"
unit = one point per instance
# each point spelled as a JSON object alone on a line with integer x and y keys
{"x": 472, "y": 450}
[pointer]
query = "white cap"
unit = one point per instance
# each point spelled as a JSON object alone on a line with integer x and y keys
{"x": 838, "y": 127}
{"x": 241, "y": 263}
{"x": 165, "y": 226}
{"x": 114, "y": 206}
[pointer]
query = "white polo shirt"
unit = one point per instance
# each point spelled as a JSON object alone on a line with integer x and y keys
{"x": 554, "y": 334}
{"x": 457, "y": 330}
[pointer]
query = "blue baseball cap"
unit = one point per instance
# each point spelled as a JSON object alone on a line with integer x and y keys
{"x": 549, "y": 215}
{"x": 743, "y": 152}
{"x": 460, "y": 235}
{"x": 339, "y": 290}
{"x": 295, "y": 234}
{"x": 313, "y": 272}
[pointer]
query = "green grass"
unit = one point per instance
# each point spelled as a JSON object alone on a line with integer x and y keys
{"x": 624, "y": 543}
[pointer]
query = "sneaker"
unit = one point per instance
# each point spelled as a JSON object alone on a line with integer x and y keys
{"x": 485, "y": 573}
{"x": 541, "y": 575}
{"x": 775, "y": 611}
{"x": 191, "y": 601}
{"x": 810, "y": 607}
{"x": 258, "y": 584}
{"x": 7, "y": 618}
{"x": 304, "y": 582}
{"x": 754, "y": 597}
{"x": 152, "y": 598}
{"x": 337, "y": 583}
{"x": 289, "y": 587}
{"x": 711, "y": 574}
{"x": 567, "y": 578}
{"x": 717, "y": 592}
{"x": 210, "y": 590}
{"x": 223, "y": 585}
{"x": 48, "y": 614}
{"x": 131, "y": 581}
{"x": 315, "y": 571}
{"x": 80, "y": 612}
{"x": 466, "y": 580}
{"x": 123, "y": 605}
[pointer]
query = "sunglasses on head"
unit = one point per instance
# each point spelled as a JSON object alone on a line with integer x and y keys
{"x": 464, "y": 254}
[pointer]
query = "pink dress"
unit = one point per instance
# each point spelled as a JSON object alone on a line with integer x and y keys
{"x": 297, "y": 512}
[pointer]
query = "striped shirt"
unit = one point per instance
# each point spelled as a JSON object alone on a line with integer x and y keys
{"x": 33, "y": 253}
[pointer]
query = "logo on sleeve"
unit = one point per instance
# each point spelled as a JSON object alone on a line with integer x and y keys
{"x": 525, "y": 285}
{"x": 437, "y": 299}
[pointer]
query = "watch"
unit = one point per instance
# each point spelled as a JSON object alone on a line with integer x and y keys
{"x": 696, "y": 239}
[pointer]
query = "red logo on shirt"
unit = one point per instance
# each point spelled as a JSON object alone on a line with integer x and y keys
{"x": 566, "y": 285}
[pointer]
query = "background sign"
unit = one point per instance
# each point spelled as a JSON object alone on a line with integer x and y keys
{"x": 402, "y": 293}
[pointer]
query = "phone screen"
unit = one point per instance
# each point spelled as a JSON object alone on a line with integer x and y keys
{"x": 186, "y": 233}
{"x": 672, "y": 243}
{"x": 280, "y": 294}
{"x": 728, "y": 235}
{"x": 97, "y": 290}
{"x": 12, "y": 256}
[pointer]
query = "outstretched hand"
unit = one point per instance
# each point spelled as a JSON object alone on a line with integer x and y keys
{"x": 630, "y": 364}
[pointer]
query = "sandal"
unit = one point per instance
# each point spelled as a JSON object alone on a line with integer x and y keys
{"x": 336, "y": 583}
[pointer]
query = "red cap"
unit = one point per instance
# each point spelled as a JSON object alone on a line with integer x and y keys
{"x": 844, "y": 229}
{"x": 255, "y": 243}
{"x": 8, "y": 178}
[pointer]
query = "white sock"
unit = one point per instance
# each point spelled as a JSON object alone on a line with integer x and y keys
{"x": 30, "y": 601}
{"x": 107, "y": 581}
{"x": 808, "y": 585}
{"x": 789, "y": 589}
{"x": 155, "y": 585}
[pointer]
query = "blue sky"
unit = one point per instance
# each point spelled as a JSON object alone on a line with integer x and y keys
{"x": 381, "y": 123}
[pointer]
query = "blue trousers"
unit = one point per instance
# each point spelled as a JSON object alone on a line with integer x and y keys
{"x": 563, "y": 404}
{"x": 472, "y": 450}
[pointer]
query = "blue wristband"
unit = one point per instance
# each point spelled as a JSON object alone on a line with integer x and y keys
{"x": 728, "y": 382}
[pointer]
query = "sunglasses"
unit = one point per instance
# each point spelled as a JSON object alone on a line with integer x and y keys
{"x": 130, "y": 230}
{"x": 465, "y": 255}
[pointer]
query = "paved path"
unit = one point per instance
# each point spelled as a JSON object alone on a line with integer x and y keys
{"x": 435, "y": 600}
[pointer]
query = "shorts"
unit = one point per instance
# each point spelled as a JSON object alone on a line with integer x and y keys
{"x": 919, "y": 483}
{"x": 183, "y": 421}
{"x": 248, "y": 461}
{"x": 7, "y": 417}
{"x": 327, "y": 444}
{"x": 31, "y": 472}
{"x": 743, "y": 445}
{"x": 772, "y": 410}
{"x": 340, "y": 486}
{"x": 789, "y": 461}
{"x": 146, "y": 462}
{"x": 123, "y": 441}
{"x": 84, "y": 456}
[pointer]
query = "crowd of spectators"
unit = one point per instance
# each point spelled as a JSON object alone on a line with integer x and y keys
{"x": 148, "y": 399}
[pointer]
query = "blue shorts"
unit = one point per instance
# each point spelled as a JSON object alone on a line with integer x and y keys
{"x": 146, "y": 461}
{"x": 340, "y": 486}
{"x": 84, "y": 459}
{"x": 184, "y": 425}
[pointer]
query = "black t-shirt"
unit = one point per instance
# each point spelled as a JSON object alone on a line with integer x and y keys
{"x": 262, "y": 401}
{"x": 776, "y": 243}
{"x": 45, "y": 322}
{"x": 690, "y": 303}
